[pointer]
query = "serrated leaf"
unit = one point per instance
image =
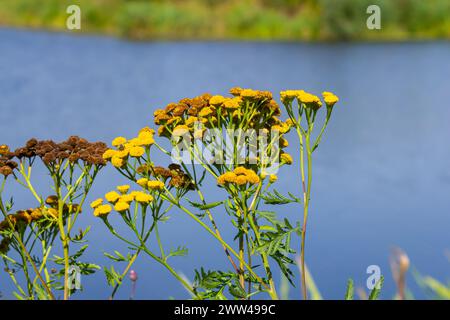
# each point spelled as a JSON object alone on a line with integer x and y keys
{"x": 375, "y": 293}
{"x": 206, "y": 206}
{"x": 276, "y": 198}
{"x": 350, "y": 290}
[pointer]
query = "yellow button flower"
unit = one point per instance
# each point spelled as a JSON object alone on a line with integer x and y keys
{"x": 143, "y": 198}
{"x": 122, "y": 153}
{"x": 102, "y": 210}
{"x": 241, "y": 180}
{"x": 126, "y": 198}
{"x": 253, "y": 178}
{"x": 240, "y": 170}
{"x": 145, "y": 138}
{"x": 142, "y": 182}
{"x": 227, "y": 177}
{"x": 205, "y": 112}
{"x": 330, "y": 98}
{"x": 249, "y": 93}
{"x": 286, "y": 158}
{"x": 233, "y": 103}
{"x": 117, "y": 162}
{"x": 118, "y": 141}
{"x": 96, "y": 203}
{"x": 147, "y": 129}
{"x": 137, "y": 152}
{"x": 121, "y": 206}
{"x": 216, "y": 100}
{"x": 180, "y": 130}
{"x": 155, "y": 185}
{"x": 112, "y": 196}
{"x": 123, "y": 189}
{"x": 109, "y": 154}
{"x": 273, "y": 178}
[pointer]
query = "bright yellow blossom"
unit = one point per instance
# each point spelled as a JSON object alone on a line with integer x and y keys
{"x": 330, "y": 98}
{"x": 147, "y": 129}
{"x": 123, "y": 189}
{"x": 142, "y": 182}
{"x": 145, "y": 138}
{"x": 117, "y": 162}
{"x": 121, "y": 206}
{"x": 112, "y": 196}
{"x": 249, "y": 93}
{"x": 273, "y": 178}
{"x": 143, "y": 198}
{"x": 205, "y": 112}
{"x": 232, "y": 103}
{"x": 126, "y": 198}
{"x": 109, "y": 154}
{"x": 96, "y": 203}
{"x": 118, "y": 141}
{"x": 180, "y": 130}
{"x": 137, "y": 152}
{"x": 102, "y": 210}
{"x": 241, "y": 180}
{"x": 286, "y": 158}
{"x": 155, "y": 185}
{"x": 216, "y": 100}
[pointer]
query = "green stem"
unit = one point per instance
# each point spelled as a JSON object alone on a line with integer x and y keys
{"x": 305, "y": 214}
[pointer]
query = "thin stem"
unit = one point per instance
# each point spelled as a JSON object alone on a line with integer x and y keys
{"x": 124, "y": 273}
{"x": 305, "y": 214}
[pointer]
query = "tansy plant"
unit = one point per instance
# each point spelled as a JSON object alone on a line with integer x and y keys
{"x": 29, "y": 235}
{"x": 302, "y": 108}
{"x": 144, "y": 209}
{"x": 242, "y": 137}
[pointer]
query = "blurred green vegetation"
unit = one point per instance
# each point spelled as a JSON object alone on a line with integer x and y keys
{"x": 309, "y": 20}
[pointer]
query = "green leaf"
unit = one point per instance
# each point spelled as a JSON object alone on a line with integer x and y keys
{"x": 237, "y": 291}
{"x": 112, "y": 277}
{"x": 179, "y": 251}
{"x": 206, "y": 206}
{"x": 79, "y": 253}
{"x": 350, "y": 290}
{"x": 276, "y": 198}
{"x": 375, "y": 293}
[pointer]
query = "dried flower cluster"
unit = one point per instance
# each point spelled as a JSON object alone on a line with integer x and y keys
{"x": 74, "y": 149}
{"x": 7, "y": 165}
{"x": 247, "y": 109}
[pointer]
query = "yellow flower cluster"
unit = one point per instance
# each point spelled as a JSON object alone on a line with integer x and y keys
{"x": 239, "y": 176}
{"x": 286, "y": 158}
{"x": 129, "y": 148}
{"x": 308, "y": 99}
{"x": 121, "y": 201}
{"x": 330, "y": 98}
{"x": 150, "y": 184}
